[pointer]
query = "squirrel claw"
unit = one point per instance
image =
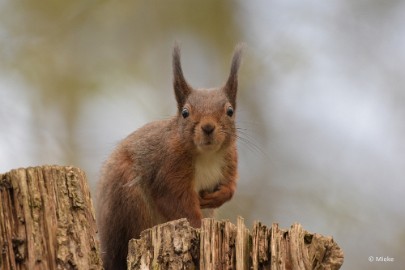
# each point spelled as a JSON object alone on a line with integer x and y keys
{"x": 214, "y": 199}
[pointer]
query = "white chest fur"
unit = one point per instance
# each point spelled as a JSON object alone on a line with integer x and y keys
{"x": 208, "y": 171}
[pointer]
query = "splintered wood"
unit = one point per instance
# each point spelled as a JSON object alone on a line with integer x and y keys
{"x": 47, "y": 220}
{"x": 171, "y": 245}
{"x": 223, "y": 245}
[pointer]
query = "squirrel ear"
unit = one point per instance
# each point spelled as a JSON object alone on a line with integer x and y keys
{"x": 231, "y": 86}
{"x": 180, "y": 85}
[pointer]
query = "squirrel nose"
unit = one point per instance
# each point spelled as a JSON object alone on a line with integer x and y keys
{"x": 208, "y": 128}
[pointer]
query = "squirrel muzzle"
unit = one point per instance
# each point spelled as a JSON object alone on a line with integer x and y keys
{"x": 208, "y": 136}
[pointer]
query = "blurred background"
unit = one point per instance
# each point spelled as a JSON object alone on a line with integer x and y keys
{"x": 321, "y": 105}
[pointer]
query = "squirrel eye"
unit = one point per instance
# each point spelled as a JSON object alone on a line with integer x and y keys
{"x": 229, "y": 111}
{"x": 185, "y": 113}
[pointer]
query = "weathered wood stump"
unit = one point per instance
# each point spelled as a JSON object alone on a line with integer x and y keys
{"x": 223, "y": 245}
{"x": 47, "y": 220}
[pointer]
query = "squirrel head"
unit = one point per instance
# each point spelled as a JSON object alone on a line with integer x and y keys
{"x": 206, "y": 117}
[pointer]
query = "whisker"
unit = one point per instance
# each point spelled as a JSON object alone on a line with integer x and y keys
{"x": 251, "y": 146}
{"x": 246, "y": 139}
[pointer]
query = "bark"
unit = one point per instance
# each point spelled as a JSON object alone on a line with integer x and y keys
{"x": 47, "y": 220}
{"x": 223, "y": 245}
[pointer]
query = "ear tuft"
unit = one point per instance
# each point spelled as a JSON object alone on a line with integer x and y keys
{"x": 231, "y": 86}
{"x": 180, "y": 85}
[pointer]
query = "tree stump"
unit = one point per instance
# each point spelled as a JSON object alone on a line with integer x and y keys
{"x": 223, "y": 245}
{"x": 47, "y": 220}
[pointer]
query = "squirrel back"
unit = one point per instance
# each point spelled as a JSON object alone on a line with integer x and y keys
{"x": 170, "y": 169}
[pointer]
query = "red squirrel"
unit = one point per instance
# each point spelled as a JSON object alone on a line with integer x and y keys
{"x": 171, "y": 169}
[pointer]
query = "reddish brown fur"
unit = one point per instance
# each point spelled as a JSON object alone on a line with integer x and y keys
{"x": 158, "y": 172}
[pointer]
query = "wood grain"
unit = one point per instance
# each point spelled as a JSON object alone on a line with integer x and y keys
{"x": 47, "y": 220}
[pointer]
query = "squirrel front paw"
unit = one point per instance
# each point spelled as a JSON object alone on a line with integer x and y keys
{"x": 216, "y": 198}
